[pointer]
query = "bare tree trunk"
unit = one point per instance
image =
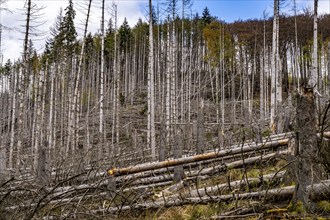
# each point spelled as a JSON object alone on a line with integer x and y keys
{"x": 263, "y": 72}
{"x": 278, "y": 71}
{"x": 21, "y": 84}
{"x": 296, "y": 72}
{"x": 73, "y": 112}
{"x": 117, "y": 112}
{"x": 173, "y": 90}
{"x": 313, "y": 79}
{"x": 222, "y": 79}
{"x": 51, "y": 114}
{"x": 306, "y": 168}
{"x": 151, "y": 139}
{"x": 34, "y": 114}
{"x": 15, "y": 75}
{"x": 114, "y": 98}
{"x": 38, "y": 125}
{"x": 200, "y": 128}
{"x": 102, "y": 74}
{"x": 262, "y": 87}
{"x": 328, "y": 68}
{"x": 168, "y": 90}
{"x": 274, "y": 72}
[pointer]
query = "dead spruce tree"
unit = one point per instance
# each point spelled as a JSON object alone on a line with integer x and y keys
{"x": 151, "y": 138}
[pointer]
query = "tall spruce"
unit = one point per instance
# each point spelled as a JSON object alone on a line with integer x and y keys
{"x": 125, "y": 36}
{"x": 68, "y": 29}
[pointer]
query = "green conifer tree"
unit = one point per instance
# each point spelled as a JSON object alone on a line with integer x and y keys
{"x": 206, "y": 16}
{"x": 125, "y": 36}
{"x": 68, "y": 29}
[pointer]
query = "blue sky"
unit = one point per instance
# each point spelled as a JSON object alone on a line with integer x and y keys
{"x": 231, "y": 10}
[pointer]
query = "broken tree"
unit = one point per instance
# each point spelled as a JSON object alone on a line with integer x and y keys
{"x": 305, "y": 167}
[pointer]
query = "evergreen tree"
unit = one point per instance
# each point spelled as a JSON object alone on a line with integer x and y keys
{"x": 89, "y": 49}
{"x": 55, "y": 44}
{"x": 125, "y": 36}
{"x": 206, "y": 16}
{"x": 109, "y": 41}
{"x": 68, "y": 30}
{"x": 6, "y": 69}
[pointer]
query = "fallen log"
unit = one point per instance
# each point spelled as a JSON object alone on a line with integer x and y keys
{"x": 272, "y": 138}
{"x": 243, "y": 216}
{"x": 200, "y": 157}
{"x": 56, "y": 194}
{"x": 319, "y": 191}
{"x": 211, "y": 171}
{"x": 169, "y": 170}
{"x": 211, "y": 190}
{"x": 83, "y": 195}
{"x": 239, "y": 212}
{"x": 235, "y": 164}
{"x": 235, "y": 184}
{"x": 139, "y": 178}
{"x": 142, "y": 182}
{"x": 272, "y": 194}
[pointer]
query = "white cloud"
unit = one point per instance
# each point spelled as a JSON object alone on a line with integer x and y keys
{"x": 12, "y": 40}
{"x": 324, "y": 7}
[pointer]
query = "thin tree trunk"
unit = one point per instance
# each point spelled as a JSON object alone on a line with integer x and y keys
{"x": 51, "y": 114}
{"x": 274, "y": 70}
{"x": 200, "y": 128}
{"x": 296, "y": 72}
{"x": 114, "y": 98}
{"x": 38, "y": 120}
{"x": 328, "y": 68}
{"x": 313, "y": 79}
{"x": 21, "y": 84}
{"x": 151, "y": 97}
{"x": 102, "y": 73}
{"x": 73, "y": 113}
{"x": 168, "y": 89}
{"x": 15, "y": 75}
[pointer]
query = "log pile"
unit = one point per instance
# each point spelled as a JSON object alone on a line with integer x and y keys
{"x": 151, "y": 185}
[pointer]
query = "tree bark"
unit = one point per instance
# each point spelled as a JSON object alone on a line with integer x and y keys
{"x": 102, "y": 74}
{"x": 200, "y": 128}
{"x": 307, "y": 167}
{"x": 200, "y": 157}
{"x": 151, "y": 90}
{"x": 314, "y": 71}
{"x": 274, "y": 71}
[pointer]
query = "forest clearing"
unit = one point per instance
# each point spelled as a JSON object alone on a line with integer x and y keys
{"x": 182, "y": 116}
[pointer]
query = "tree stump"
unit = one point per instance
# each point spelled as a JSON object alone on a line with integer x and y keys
{"x": 306, "y": 164}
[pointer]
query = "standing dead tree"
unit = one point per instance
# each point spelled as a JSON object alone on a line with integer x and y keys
{"x": 151, "y": 139}
{"x": 306, "y": 164}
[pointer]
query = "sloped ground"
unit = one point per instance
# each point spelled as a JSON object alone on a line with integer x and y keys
{"x": 246, "y": 185}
